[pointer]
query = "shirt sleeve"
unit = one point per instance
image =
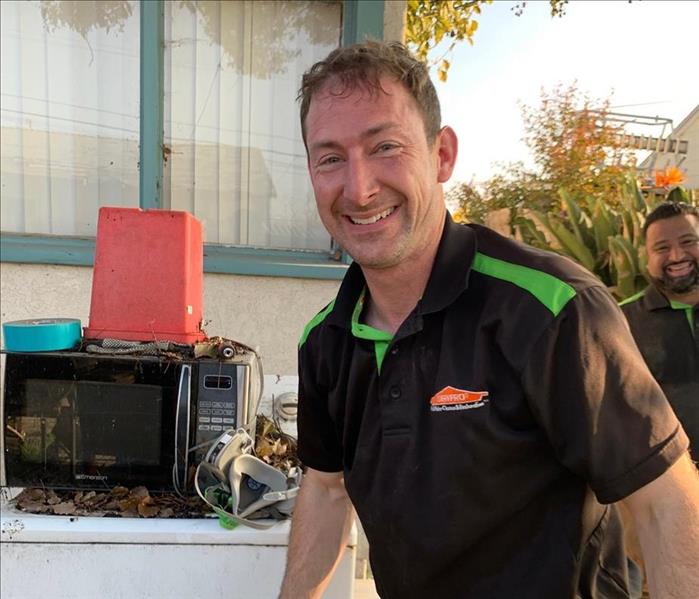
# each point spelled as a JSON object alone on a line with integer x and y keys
{"x": 603, "y": 412}
{"x": 318, "y": 443}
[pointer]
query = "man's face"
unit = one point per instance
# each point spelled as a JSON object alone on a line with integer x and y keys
{"x": 672, "y": 245}
{"x": 377, "y": 180}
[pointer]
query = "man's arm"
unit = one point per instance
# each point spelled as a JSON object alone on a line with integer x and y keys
{"x": 320, "y": 526}
{"x": 666, "y": 512}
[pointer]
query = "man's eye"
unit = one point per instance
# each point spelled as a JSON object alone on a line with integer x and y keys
{"x": 385, "y": 147}
{"x": 660, "y": 249}
{"x": 689, "y": 242}
{"x": 328, "y": 160}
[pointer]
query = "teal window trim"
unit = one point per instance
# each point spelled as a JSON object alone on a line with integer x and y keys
{"x": 42, "y": 249}
{"x": 152, "y": 96}
{"x": 80, "y": 251}
{"x": 361, "y": 19}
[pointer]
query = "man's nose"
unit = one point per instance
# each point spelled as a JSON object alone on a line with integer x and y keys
{"x": 361, "y": 185}
{"x": 677, "y": 254}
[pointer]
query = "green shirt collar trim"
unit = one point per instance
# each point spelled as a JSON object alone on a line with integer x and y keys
{"x": 679, "y": 305}
{"x": 315, "y": 321}
{"x": 633, "y": 298}
{"x": 381, "y": 339}
{"x": 688, "y": 311}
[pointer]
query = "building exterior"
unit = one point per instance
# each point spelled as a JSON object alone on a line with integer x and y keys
{"x": 186, "y": 106}
{"x": 687, "y": 130}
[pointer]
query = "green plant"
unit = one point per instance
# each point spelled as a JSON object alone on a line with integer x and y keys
{"x": 428, "y": 22}
{"x": 573, "y": 145}
{"x": 607, "y": 240}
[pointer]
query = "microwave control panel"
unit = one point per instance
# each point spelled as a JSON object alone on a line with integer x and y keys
{"x": 218, "y": 404}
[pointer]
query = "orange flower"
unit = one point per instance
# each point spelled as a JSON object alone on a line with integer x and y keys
{"x": 669, "y": 177}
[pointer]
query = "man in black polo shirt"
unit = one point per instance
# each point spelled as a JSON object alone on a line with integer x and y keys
{"x": 663, "y": 317}
{"x": 479, "y": 403}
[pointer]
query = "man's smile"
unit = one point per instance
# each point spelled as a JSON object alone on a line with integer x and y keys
{"x": 370, "y": 220}
{"x": 680, "y": 269}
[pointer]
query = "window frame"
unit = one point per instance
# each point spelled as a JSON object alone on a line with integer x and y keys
{"x": 360, "y": 19}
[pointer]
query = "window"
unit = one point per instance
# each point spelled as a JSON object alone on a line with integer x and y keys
{"x": 70, "y": 113}
{"x": 235, "y": 157}
{"x": 185, "y": 105}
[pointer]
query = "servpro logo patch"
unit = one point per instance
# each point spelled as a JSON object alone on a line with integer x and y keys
{"x": 450, "y": 399}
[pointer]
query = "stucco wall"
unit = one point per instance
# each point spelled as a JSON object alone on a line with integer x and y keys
{"x": 394, "y": 19}
{"x": 264, "y": 312}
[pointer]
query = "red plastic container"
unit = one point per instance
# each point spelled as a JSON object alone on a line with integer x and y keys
{"x": 148, "y": 277}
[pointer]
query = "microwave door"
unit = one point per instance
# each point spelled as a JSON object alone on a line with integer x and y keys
{"x": 184, "y": 401}
{"x": 117, "y": 431}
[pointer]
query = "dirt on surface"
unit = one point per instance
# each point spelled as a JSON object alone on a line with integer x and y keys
{"x": 118, "y": 502}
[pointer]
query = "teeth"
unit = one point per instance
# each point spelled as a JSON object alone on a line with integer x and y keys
{"x": 679, "y": 268}
{"x": 372, "y": 219}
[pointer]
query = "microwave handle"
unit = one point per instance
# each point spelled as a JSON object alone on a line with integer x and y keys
{"x": 182, "y": 426}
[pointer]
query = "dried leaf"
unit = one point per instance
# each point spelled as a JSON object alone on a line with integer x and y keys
{"x": 52, "y": 498}
{"x": 130, "y": 504}
{"x": 279, "y": 447}
{"x": 264, "y": 449}
{"x": 120, "y": 491}
{"x": 34, "y": 494}
{"x": 33, "y": 507}
{"x": 139, "y": 492}
{"x": 147, "y": 511}
{"x": 65, "y": 508}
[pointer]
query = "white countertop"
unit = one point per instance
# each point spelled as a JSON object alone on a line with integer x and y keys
{"x": 21, "y": 527}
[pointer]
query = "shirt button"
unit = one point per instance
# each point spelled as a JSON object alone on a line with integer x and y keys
{"x": 394, "y": 392}
{"x": 394, "y": 351}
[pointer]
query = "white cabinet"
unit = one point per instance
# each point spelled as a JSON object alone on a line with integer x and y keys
{"x": 58, "y": 557}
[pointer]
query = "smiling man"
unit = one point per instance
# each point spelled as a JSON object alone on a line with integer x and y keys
{"x": 663, "y": 317}
{"x": 480, "y": 403}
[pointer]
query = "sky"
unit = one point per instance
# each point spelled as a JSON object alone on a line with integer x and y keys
{"x": 643, "y": 54}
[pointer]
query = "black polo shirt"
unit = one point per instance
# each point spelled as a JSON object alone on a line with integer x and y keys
{"x": 667, "y": 334}
{"x": 478, "y": 442}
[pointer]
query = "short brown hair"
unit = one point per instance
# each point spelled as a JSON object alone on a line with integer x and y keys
{"x": 668, "y": 210}
{"x": 363, "y": 65}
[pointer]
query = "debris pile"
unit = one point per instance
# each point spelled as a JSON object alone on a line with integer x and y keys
{"x": 118, "y": 502}
{"x": 272, "y": 445}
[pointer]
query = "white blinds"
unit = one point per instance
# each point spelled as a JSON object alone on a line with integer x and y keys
{"x": 236, "y": 159}
{"x": 69, "y": 113}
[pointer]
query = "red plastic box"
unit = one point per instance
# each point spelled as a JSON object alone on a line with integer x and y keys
{"x": 148, "y": 278}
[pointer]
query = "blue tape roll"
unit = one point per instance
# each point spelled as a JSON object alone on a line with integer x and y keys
{"x": 46, "y": 334}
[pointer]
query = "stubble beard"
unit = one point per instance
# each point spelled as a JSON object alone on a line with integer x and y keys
{"x": 381, "y": 260}
{"x": 678, "y": 285}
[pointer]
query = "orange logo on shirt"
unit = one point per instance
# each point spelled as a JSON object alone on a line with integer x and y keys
{"x": 451, "y": 398}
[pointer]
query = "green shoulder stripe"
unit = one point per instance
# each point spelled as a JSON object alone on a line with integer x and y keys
{"x": 549, "y": 290}
{"x": 315, "y": 321}
{"x": 633, "y": 298}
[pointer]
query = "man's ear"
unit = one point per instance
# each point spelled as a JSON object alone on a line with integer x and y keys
{"x": 447, "y": 150}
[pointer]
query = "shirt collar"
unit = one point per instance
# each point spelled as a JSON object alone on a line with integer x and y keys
{"x": 448, "y": 279}
{"x": 653, "y": 299}
{"x": 451, "y": 268}
{"x": 351, "y": 288}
